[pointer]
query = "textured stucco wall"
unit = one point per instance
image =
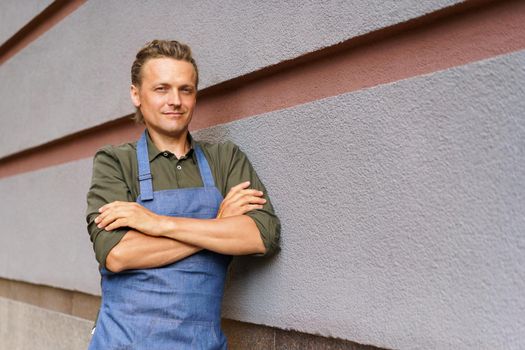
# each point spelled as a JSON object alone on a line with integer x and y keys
{"x": 80, "y": 68}
{"x": 14, "y": 14}
{"x": 402, "y": 209}
{"x": 403, "y": 212}
{"x": 27, "y": 327}
{"x": 45, "y": 240}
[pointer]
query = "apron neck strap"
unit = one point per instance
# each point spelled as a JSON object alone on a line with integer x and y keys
{"x": 146, "y": 185}
{"x": 145, "y": 182}
{"x": 204, "y": 167}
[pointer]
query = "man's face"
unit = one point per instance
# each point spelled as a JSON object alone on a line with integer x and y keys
{"x": 166, "y": 96}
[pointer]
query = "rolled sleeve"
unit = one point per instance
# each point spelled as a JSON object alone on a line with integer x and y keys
{"x": 270, "y": 229}
{"x": 267, "y": 222}
{"x": 107, "y": 185}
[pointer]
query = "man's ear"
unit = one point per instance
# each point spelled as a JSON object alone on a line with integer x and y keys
{"x": 135, "y": 97}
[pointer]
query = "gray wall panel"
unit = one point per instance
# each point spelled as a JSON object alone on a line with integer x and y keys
{"x": 77, "y": 75}
{"x": 27, "y": 327}
{"x": 402, "y": 210}
{"x": 14, "y": 14}
{"x": 44, "y": 239}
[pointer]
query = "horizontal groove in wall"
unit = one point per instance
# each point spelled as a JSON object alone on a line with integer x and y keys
{"x": 53, "y": 14}
{"x": 241, "y": 335}
{"x": 56, "y": 299}
{"x": 70, "y": 148}
{"x": 464, "y": 33}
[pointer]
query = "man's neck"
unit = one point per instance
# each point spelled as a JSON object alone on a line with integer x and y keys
{"x": 176, "y": 144}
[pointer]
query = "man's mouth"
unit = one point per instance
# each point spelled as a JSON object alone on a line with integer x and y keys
{"x": 174, "y": 114}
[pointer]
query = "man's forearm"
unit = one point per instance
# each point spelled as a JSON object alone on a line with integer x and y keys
{"x": 233, "y": 235}
{"x": 236, "y": 235}
{"x": 139, "y": 251}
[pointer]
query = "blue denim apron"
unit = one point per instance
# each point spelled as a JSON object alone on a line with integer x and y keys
{"x": 177, "y": 306}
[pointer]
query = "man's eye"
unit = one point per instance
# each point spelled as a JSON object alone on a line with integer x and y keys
{"x": 160, "y": 88}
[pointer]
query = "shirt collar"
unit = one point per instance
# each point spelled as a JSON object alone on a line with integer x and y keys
{"x": 153, "y": 151}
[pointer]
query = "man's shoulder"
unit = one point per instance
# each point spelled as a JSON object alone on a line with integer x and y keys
{"x": 123, "y": 151}
{"x": 217, "y": 147}
{"x": 221, "y": 155}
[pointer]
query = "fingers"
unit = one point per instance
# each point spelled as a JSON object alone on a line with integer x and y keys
{"x": 248, "y": 207}
{"x": 107, "y": 215}
{"x": 111, "y": 212}
{"x": 237, "y": 188}
{"x": 250, "y": 193}
{"x": 121, "y": 222}
{"x": 109, "y": 218}
{"x": 127, "y": 214}
{"x": 101, "y": 220}
{"x": 239, "y": 200}
{"x": 109, "y": 206}
{"x": 250, "y": 200}
{"x": 251, "y": 207}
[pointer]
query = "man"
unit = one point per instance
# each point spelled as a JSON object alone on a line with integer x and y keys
{"x": 166, "y": 213}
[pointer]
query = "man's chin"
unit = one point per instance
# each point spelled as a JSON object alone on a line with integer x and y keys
{"x": 170, "y": 129}
{"x": 174, "y": 132}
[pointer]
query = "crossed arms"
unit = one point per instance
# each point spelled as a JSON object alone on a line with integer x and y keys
{"x": 156, "y": 240}
{"x": 127, "y": 236}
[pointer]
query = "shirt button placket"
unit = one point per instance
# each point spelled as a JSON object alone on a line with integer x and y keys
{"x": 178, "y": 173}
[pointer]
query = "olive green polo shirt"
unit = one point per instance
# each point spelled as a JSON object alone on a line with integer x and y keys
{"x": 115, "y": 178}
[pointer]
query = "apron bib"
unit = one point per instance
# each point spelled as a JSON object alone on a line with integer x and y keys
{"x": 177, "y": 306}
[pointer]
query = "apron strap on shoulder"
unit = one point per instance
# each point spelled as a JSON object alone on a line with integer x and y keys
{"x": 204, "y": 168}
{"x": 146, "y": 185}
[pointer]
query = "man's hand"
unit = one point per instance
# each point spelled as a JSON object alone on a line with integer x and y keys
{"x": 129, "y": 214}
{"x": 240, "y": 200}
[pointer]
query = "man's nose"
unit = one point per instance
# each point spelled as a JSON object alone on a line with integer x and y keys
{"x": 174, "y": 98}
